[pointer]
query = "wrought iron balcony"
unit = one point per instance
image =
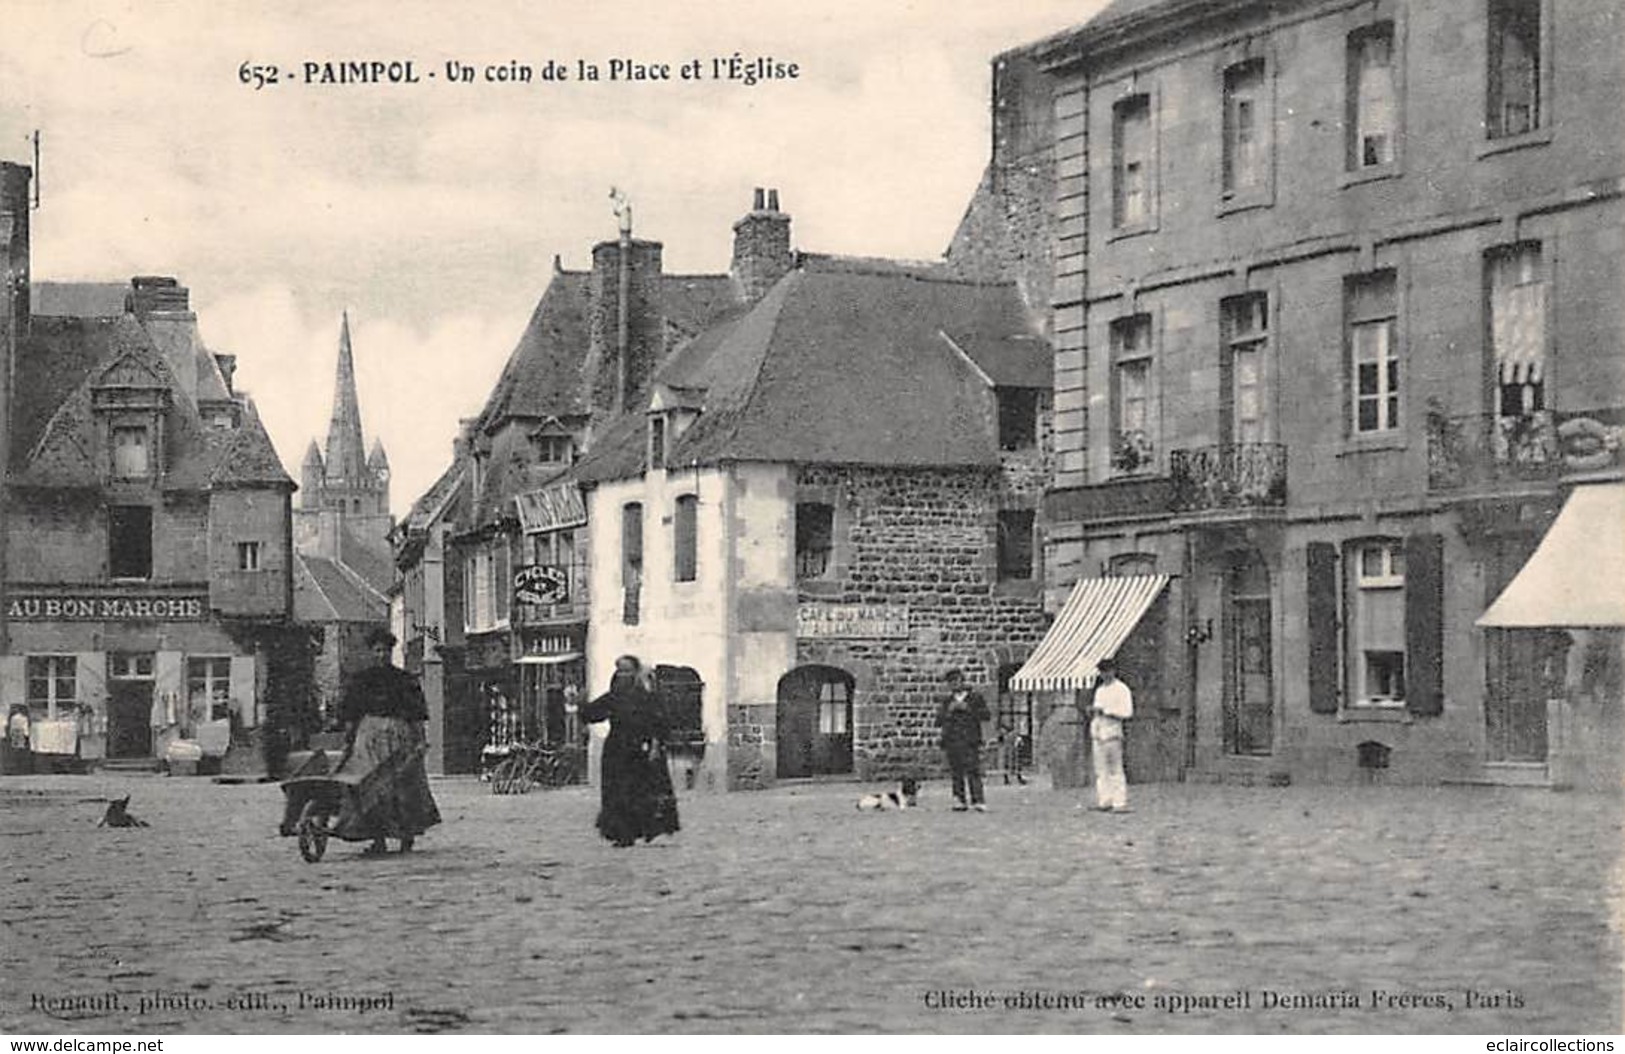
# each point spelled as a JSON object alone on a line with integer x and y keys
{"x": 1231, "y": 476}
{"x": 1476, "y": 450}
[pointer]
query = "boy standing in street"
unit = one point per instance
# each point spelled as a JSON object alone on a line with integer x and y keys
{"x": 960, "y": 717}
{"x": 1113, "y": 704}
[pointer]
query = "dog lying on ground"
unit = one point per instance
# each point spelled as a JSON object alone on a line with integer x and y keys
{"x": 118, "y": 815}
{"x": 906, "y": 796}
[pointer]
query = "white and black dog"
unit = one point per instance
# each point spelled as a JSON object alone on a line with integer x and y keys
{"x": 906, "y": 796}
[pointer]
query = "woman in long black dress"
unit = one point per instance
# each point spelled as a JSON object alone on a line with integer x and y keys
{"x": 637, "y": 799}
{"x": 384, "y": 710}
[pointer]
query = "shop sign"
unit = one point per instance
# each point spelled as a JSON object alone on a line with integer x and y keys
{"x": 541, "y": 584}
{"x": 551, "y": 508}
{"x": 859, "y": 621}
{"x": 71, "y": 608}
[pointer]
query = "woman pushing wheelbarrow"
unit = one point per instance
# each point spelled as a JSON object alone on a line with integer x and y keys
{"x": 380, "y": 789}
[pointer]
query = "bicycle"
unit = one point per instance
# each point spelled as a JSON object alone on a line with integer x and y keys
{"x": 530, "y": 765}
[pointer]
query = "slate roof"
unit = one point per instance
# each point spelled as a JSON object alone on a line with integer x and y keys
{"x": 373, "y": 567}
{"x": 545, "y": 374}
{"x": 433, "y": 501}
{"x": 846, "y": 363}
{"x": 58, "y": 365}
{"x": 324, "y": 591}
{"x": 77, "y": 299}
{"x": 542, "y": 377}
{"x": 1121, "y": 16}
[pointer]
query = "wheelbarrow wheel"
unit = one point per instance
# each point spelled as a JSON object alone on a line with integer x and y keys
{"x": 312, "y": 832}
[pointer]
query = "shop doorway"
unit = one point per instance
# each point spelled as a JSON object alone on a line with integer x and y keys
{"x": 1249, "y": 697}
{"x": 129, "y": 705}
{"x": 1517, "y": 668}
{"x": 814, "y": 722}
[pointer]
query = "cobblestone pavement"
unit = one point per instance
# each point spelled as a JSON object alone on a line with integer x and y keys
{"x": 788, "y": 910}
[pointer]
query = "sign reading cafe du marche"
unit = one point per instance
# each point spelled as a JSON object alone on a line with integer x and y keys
{"x": 870, "y": 621}
{"x": 105, "y": 609}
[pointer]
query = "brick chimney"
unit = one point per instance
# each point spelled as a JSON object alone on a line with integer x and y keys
{"x": 626, "y": 322}
{"x": 164, "y": 307}
{"x": 762, "y": 253}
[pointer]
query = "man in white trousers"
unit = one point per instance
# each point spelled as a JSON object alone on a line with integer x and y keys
{"x": 1113, "y": 704}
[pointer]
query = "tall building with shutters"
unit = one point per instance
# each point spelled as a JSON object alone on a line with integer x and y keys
{"x": 1335, "y": 296}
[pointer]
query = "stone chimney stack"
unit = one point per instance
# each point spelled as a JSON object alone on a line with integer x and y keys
{"x": 626, "y": 323}
{"x": 762, "y": 252}
{"x": 164, "y": 307}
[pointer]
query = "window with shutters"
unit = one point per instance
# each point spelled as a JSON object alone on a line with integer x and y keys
{"x": 53, "y": 682}
{"x": 208, "y": 686}
{"x": 487, "y": 587}
{"x": 1375, "y": 621}
{"x": 685, "y": 538}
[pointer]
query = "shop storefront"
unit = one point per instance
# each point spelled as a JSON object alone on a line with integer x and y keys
{"x": 126, "y": 676}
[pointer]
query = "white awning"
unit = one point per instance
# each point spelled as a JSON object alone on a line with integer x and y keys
{"x": 1575, "y": 575}
{"x": 547, "y": 660}
{"x": 1097, "y": 618}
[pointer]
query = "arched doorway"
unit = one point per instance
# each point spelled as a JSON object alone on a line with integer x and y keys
{"x": 814, "y": 722}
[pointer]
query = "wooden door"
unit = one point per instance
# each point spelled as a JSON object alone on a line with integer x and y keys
{"x": 129, "y": 719}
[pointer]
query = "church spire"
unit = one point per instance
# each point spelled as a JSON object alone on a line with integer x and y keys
{"x": 346, "y": 457}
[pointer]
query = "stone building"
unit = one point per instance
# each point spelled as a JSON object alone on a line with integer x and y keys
{"x": 344, "y": 567}
{"x": 493, "y": 558}
{"x": 1335, "y": 297}
{"x": 148, "y": 538}
{"x": 819, "y": 505}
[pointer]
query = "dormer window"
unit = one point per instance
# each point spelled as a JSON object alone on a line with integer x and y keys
{"x": 132, "y": 452}
{"x": 1018, "y": 418}
{"x": 554, "y": 449}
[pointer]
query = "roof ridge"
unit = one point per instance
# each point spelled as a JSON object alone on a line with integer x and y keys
{"x": 356, "y": 578}
{"x": 304, "y": 560}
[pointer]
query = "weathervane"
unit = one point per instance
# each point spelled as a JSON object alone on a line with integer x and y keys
{"x": 623, "y": 210}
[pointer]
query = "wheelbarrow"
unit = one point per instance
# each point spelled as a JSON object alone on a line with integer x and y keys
{"x": 315, "y": 794}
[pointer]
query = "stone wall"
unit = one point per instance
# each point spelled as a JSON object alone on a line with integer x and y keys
{"x": 924, "y": 539}
{"x": 1006, "y": 231}
{"x": 752, "y": 746}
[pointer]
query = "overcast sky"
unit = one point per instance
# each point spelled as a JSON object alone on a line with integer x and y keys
{"x": 433, "y": 211}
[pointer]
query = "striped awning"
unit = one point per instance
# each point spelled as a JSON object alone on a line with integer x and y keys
{"x": 1097, "y": 618}
{"x": 1573, "y": 577}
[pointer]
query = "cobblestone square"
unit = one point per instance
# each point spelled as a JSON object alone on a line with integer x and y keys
{"x": 789, "y": 910}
